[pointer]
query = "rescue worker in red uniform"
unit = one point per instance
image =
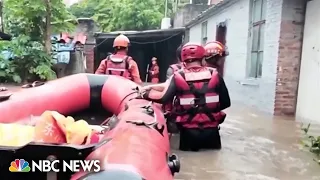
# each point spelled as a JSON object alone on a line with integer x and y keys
{"x": 175, "y": 67}
{"x": 167, "y": 108}
{"x": 201, "y": 95}
{"x": 154, "y": 71}
{"x": 119, "y": 63}
{"x": 215, "y": 52}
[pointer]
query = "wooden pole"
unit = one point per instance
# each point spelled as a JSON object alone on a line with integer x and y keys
{"x": 1, "y": 15}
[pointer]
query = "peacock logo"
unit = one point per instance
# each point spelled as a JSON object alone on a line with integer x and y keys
{"x": 19, "y": 165}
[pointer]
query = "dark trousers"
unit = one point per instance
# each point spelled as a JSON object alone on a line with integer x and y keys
{"x": 195, "y": 139}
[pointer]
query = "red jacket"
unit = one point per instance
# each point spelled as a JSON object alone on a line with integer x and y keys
{"x": 132, "y": 68}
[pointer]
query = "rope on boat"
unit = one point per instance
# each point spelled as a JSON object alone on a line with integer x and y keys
{"x": 135, "y": 90}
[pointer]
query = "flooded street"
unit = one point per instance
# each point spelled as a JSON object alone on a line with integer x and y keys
{"x": 254, "y": 147}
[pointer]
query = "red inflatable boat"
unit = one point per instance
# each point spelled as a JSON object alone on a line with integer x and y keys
{"x": 135, "y": 147}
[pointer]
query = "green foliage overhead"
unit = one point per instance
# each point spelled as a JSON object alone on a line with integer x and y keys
{"x": 29, "y": 60}
{"x": 115, "y": 15}
{"x": 84, "y": 9}
{"x": 31, "y": 23}
{"x": 28, "y": 17}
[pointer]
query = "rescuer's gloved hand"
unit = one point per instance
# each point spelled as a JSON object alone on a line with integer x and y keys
{"x": 143, "y": 93}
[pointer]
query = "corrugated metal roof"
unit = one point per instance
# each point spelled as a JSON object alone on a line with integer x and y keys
{"x": 209, "y": 12}
{"x": 66, "y": 38}
{"x": 65, "y": 44}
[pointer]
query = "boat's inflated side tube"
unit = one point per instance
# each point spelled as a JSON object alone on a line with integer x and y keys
{"x": 140, "y": 140}
{"x": 66, "y": 95}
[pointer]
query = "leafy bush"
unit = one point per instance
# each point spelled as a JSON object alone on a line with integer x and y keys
{"x": 29, "y": 61}
{"x": 32, "y": 23}
{"x": 312, "y": 142}
{"x": 115, "y": 15}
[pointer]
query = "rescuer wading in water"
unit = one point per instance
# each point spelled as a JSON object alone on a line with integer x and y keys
{"x": 120, "y": 63}
{"x": 215, "y": 52}
{"x": 177, "y": 66}
{"x": 201, "y": 95}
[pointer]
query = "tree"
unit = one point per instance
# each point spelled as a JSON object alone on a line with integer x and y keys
{"x": 112, "y": 15}
{"x": 84, "y": 9}
{"x": 34, "y": 18}
{"x": 31, "y": 23}
{"x": 29, "y": 60}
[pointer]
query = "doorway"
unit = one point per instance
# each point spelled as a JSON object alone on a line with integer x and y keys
{"x": 221, "y": 35}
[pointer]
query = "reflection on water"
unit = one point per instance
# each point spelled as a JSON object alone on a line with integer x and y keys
{"x": 255, "y": 147}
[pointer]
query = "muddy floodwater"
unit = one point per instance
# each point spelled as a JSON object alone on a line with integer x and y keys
{"x": 255, "y": 147}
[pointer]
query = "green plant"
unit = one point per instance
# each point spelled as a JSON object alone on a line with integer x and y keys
{"x": 32, "y": 24}
{"x": 116, "y": 15}
{"x": 7, "y": 72}
{"x": 28, "y": 17}
{"x": 311, "y": 142}
{"x": 130, "y": 15}
{"x": 29, "y": 61}
{"x": 84, "y": 9}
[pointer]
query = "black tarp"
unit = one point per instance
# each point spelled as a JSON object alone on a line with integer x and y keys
{"x": 144, "y": 45}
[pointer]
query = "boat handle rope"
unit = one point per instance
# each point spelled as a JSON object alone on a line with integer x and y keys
{"x": 136, "y": 90}
{"x": 139, "y": 93}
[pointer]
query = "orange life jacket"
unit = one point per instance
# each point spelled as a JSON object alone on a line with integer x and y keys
{"x": 118, "y": 65}
{"x": 152, "y": 69}
{"x": 197, "y": 100}
{"x": 176, "y": 67}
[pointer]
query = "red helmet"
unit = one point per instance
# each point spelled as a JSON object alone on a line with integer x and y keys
{"x": 214, "y": 48}
{"x": 192, "y": 51}
{"x": 121, "y": 41}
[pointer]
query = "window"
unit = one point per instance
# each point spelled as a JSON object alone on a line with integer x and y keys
{"x": 204, "y": 35}
{"x": 257, "y": 37}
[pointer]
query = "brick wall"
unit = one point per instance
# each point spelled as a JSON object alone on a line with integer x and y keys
{"x": 88, "y": 27}
{"x": 89, "y": 52}
{"x": 289, "y": 56}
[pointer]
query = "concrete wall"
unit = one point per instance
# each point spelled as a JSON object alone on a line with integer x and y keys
{"x": 308, "y": 102}
{"x": 187, "y": 13}
{"x": 260, "y": 92}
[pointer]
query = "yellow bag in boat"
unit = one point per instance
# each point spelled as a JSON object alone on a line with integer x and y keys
{"x": 51, "y": 127}
{"x": 54, "y": 127}
{"x": 15, "y": 134}
{"x": 78, "y": 132}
